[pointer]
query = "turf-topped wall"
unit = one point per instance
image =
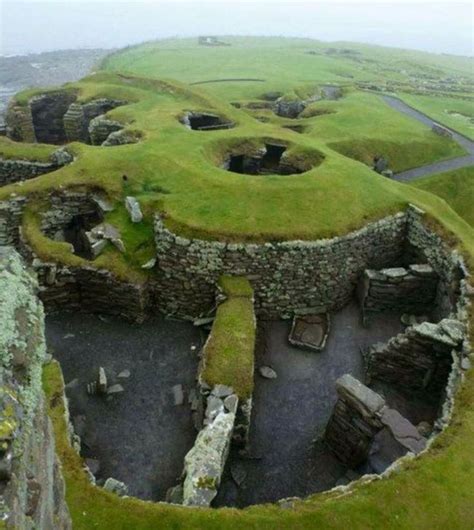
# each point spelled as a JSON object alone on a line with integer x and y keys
{"x": 32, "y": 487}
{"x": 297, "y": 276}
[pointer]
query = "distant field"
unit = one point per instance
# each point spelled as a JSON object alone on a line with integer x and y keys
{"x": 456, "y": 188}
{"x": 453, "y": 112}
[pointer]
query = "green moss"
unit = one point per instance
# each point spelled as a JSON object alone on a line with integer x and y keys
{"x": 228, "y": 356}
{"x": 207, "y": 483}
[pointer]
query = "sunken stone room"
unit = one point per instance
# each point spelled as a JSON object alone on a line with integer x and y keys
{"x": 158, "y": 360}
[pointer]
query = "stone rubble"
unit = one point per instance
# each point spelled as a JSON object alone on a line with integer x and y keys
{"x": 133, "y": 208}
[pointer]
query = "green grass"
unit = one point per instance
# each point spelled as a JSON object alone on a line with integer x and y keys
{"x": 452, "y": 112}
{"x": 456, "y": 188}
{"x": 175, "y": 171}
{"x": 37, "y": 152}
{"x": 228, "y": 355}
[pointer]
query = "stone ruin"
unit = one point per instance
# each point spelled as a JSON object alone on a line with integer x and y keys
{"x": 57, "y": 117}
{"x": 204, "y": 121}
{"x": 271, "y": 159}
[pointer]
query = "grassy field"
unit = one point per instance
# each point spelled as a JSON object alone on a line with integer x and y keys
{"x": 456, "y": 188}
{"x": 452, "y": 112}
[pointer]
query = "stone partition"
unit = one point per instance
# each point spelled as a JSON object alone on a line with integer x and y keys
{"x": 32, "y": 486}
{"x": 360, "y": 417}
{"x": 403, "y": 290}
{"x": 47, "y": 111}
{"x": 418, "y": 360}
{"x": 19, "y": 123}
{"x": 288, "y": 277}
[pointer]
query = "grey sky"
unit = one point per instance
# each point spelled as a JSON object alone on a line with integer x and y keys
{"x": 34, "y": 26}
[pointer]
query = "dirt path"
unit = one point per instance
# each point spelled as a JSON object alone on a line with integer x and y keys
{"x": 437, "y": 167}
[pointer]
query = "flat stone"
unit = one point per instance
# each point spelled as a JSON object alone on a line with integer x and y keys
{"x": 453, "y": 328}
{"x": 115, "y": 389}
{"x": 422, "y": 269}
{"x": 175, "y": 495}
{"x": 124, "y": 374}
{"x": 203, "y": 321}
{"x": 402, "y": 430}
{"x": 395, "y": 272}
{"x": 361, "y": 397}
{"x": 72, "y": 384}
{"x": 267, "y": 372}
{"x": 115, "y": 486}
{"x": 222, "y": 391}
{"x": 178, "y": 394}
{"x": 214, "y": 407}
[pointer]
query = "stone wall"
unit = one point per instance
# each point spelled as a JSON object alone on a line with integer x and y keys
{"x": 11, "y": 213}
{"x": 79, "y": 116}
{"x": 18, "y": 170}
{"x": 31, "y": 481}
{"x": 418, "y": 360}
{"x": 404, "y": 290}
{"x": 287, "y": 277}
{"x": 47, "y": 111}
{"x": 19, "y": 124}
{"x": 361, "y": 417}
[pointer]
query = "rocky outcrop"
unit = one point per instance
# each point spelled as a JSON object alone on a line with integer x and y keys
{"x": 31, "y": 481}
{"x": 400, "y": 289}
{"x": 418, "y": 360}
{"x": 362, "y": 424}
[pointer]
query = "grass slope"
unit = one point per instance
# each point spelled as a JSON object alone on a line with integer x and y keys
{"x": 456, "y": 188}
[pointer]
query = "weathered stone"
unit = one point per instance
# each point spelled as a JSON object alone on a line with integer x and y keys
{"x": 115, "y": 389}
{"x": 404, "y": 432}
{"x": 175, "y": 494}
{"x": 214, "y": 407}
{"x": 116, "y": 486}
{"x": 310, "y": 331}
{"x": 231, "y": 403}
{"x": 124, "y": 374}
{"x": 133, "y": 208}
{"x": 222, "y": 391}
{"x": 204, "y": 463}
{"x": 267, "y": 372}
{"x": 238, "y": 472}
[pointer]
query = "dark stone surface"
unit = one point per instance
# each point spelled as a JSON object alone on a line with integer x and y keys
{"x": 139, "y": 436}
{"x": 292, "y": 410}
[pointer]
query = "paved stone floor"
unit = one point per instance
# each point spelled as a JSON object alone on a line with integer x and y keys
{"x": 139, "y": 436}
{"x": 291, "y": 411}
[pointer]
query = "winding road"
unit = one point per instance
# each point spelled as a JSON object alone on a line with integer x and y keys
{"x": 436, "y": 167}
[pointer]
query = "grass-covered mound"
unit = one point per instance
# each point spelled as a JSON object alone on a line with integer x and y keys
{"x": 176, "y": 171}
{"x": 456, "y": 188}
{"x": 228, "y": 355}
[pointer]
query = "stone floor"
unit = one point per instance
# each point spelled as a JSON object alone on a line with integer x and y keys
{"x": 290, "y": 412}
{"x": 139, "y": 436}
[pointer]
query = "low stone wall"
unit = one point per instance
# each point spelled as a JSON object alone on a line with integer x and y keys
{"x": 418, "y": 360}
{"x": 205, "y": 462}
{"x": 360, "y": 415}
{"x": 32, "y": 486}
{"x": 287, "y": 277}
{"x": 18, "y": 170}
{"x": 403, "y": 290}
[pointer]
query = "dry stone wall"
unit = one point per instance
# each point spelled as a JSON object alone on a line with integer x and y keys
{"x": 411, "y": 290}
{"x": 287, "y": 277}
{"x": 32, "y": 487}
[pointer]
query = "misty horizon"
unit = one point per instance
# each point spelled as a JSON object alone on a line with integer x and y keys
{"x": 101, "y": 24}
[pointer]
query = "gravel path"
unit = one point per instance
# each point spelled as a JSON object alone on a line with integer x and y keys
{"x": 437, "y": 167}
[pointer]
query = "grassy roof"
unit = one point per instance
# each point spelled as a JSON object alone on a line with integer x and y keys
{"x": 228, "y": 355}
